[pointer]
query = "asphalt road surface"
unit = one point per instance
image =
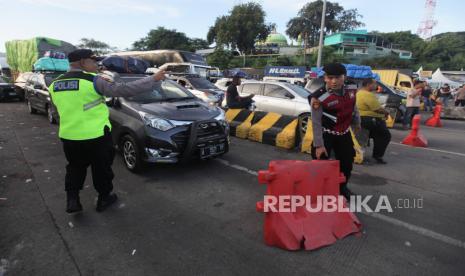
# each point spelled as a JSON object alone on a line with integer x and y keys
{"x": 200, "y": 218}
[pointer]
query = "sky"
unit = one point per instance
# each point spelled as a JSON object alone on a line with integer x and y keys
{"x": 121, "y": 22}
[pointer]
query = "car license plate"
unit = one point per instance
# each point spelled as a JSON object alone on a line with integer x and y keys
{"x": 12, "y": 94}
{"x": 211, "y": 150}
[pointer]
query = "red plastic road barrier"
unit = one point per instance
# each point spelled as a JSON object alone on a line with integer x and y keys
{"x": 311, "y": 230}
{"x": 415, "y": 138}
{"x": 435, "y": 120}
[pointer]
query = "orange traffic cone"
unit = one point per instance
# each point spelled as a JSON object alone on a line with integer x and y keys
{"x": 415, "y": 139}
{"x": 435, "y": 120}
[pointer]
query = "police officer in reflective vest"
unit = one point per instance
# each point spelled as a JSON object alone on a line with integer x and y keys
{"x": 85, "y": 126}
{"x": 333, "y": 112}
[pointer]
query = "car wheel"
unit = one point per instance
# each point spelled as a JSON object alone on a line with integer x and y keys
{"x": 50, "y": 117}
{"x": 131, "y": 155}
{"x": 304, "y": 120}
{"x": 31, "y": 109}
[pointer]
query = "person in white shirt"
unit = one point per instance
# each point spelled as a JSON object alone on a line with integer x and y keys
{"x": 413, "y": 103}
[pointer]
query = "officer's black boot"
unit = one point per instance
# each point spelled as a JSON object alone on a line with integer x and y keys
{"x": 104, "y": 201}
{"x": 344, "y": 191}
{"x": 73, "y": 203}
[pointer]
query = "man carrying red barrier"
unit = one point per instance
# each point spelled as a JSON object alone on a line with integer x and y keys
{"x": 333, "y": 112}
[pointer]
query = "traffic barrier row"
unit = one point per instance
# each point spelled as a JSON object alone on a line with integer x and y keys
{"x": 453, "y": 112}
{"x": 264, "y": 127}
{"x": 276, "y": 130}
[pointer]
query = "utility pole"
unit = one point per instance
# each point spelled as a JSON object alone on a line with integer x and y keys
{"x": 322, "y": 31}
{"x": 305, "y": 47}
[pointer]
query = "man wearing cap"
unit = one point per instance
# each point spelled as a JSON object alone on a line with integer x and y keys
{"x": 233, "y": 100}
{"x": 333, "y": 112}
{"x": 85, "y": 128}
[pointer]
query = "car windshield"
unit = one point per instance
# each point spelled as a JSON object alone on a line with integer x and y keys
{"x": 201, "y": 71}
{"x": 201, "y": 83}
{"x": 304, "y": 93}
{"x": 167, "y": 90}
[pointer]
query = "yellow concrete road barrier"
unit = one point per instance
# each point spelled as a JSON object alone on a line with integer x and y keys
{"x": 240, "y": 121}
{"x": 274, "y": 129}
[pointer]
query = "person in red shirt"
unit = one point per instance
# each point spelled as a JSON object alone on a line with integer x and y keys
{"x": 333, "y": 112}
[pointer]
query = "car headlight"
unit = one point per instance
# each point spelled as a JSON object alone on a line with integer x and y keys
{"x": 222, "y": 118}
{"x": 212, "y": 99}
{"x": 155, "y": 122}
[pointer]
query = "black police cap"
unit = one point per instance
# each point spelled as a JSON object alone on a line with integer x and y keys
{"x": 79, "y": 54}
{"x": 335, "y": 69}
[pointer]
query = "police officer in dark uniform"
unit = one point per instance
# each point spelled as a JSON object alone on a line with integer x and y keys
{"x": 333, "y": 113}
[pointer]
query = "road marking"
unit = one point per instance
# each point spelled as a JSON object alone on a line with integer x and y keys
{"x": 237, "y": 167}
{"x": 430, "y": 149}
{"x": 417, "y": 229}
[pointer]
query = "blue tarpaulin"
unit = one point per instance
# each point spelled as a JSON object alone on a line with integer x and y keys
{"x": 353, "y": 71}
{"x": 51, "y": 64}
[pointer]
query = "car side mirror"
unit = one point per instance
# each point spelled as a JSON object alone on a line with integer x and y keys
{"x": 113, "y": 102}
{"x": 109, "y": 101}
{"x": 289, "y": 96}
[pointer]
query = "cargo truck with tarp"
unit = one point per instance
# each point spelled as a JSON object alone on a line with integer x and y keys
{"x": 23, "y": 54}
{"x": 396, "y": 79}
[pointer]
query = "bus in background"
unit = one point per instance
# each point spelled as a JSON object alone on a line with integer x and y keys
{"x": 291, "y": 74}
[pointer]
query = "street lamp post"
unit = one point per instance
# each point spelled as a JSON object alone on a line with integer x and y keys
{"x": 322, "y": 30}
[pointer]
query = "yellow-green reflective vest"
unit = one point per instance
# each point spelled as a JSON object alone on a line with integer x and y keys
{"x": 83, "y": 112}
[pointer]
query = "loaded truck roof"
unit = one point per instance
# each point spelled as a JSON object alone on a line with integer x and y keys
{"x": 22, "y": 54}
{"x": 157, "y": 58}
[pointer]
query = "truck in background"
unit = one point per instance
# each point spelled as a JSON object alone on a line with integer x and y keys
{"x": 396, "y": 79}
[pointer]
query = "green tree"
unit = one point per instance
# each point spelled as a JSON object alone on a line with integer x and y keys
{"x": 308, "y": 21}
{"x": 220, "y": 58}
{"x": 162, "y": 38}
{"x": 99, "y": 47}
{"x": 244, "y": 25}
{"x": 404, "y": 40}
{"x": 197, "y": 44}
{"x": 388, "y": 62}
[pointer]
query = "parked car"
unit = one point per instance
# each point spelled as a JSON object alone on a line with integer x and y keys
{"x": 20, "y": 83}
{"x": 201, "y": 88}
{"x": 7, "y": 89}
{"x": 280, "y": 97}
{"x": 166, "y": 125}
{"x": 37, "y": 96}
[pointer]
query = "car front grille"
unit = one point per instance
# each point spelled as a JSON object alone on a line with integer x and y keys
{"x": 205, "y": 131}
{"x": 208, "y": 129}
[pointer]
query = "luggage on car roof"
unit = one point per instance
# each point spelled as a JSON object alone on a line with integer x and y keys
{"x": 51, "y": 64}
{"x": 125, "y": 64}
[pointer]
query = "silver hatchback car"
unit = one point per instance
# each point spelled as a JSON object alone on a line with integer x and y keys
{"x": 279, "y": 97}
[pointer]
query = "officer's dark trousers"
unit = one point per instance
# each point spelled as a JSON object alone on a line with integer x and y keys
{"x": 99, "y": 154}
{"x": 343, "y": 148}
{"x": 379, "y": 133}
